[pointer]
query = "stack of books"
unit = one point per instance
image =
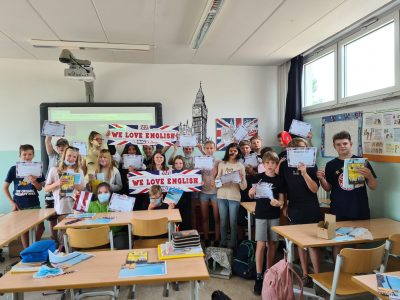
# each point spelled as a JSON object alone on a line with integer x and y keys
{"x": 185, "y": 239}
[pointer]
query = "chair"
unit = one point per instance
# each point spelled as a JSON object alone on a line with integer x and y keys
{"x": 393, "y": 263}
{"x": 90, "y": 239}
{"x": 348, "y": 263}
{"x": 149, "y": 228}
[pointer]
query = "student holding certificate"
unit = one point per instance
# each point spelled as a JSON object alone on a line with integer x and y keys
{"x": 185, "y": 203}
{"x": 301, "y": 186}
{"x": 268, "y": 193}
{"x": 106, "y": 167}
{"x": 229, "y": 193}
{"x": 70, "y": 164}
{"x": 209, "y": 194}
{"x": 346, "y": 203}
{"x": 100, "y": 205}
{"x": 187, "y": 156}
{"x": 95, "y": 141}
{"x": 25, "y": 195}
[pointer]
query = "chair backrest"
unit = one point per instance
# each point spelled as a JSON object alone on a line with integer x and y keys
{"x": 395, "y": 244}
{"x": 362, "y": 260}
{"x": 89, "y": 237}
{"x": 150, "y": 227}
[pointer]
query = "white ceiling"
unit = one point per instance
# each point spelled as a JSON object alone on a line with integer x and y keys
{"x": 246, "y": 32}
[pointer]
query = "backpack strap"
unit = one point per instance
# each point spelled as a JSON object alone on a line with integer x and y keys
{"x": 299, "y": 281}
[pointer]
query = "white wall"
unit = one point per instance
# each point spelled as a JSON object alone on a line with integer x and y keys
{"x": 230, "y": 91}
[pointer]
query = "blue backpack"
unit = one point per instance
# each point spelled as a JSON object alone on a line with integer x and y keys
{"x": 244, "y": 263}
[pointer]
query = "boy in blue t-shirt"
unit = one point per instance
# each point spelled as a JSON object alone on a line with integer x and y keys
{"x": 25, "y": 194}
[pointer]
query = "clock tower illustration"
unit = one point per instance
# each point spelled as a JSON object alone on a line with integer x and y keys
{"x": 199, "y": 114}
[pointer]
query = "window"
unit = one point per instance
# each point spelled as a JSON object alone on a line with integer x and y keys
{"x": 369, "y": 62}
{"x": 319, "y": 80}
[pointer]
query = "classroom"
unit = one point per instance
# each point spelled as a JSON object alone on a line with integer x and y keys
{"x": 177, "y": 87}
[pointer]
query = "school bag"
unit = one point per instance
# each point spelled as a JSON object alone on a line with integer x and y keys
{"x": 278, "y": 284}
{"x": 244, "y": 264}
{"x": 219, "y": 262}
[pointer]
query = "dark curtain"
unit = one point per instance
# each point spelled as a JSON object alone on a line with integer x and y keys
{"x": 293, "y": 98}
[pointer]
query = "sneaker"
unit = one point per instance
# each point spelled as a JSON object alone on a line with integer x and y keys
{"x": 307, "y": 281}
{"x": 258, "y": 286}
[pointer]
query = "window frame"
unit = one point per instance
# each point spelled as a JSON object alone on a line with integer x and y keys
{"x": 311, "y": 59}
{"x": 392, "y": 17}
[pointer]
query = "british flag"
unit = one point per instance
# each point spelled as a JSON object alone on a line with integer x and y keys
{"x": 82, "y": 201}
{"x": 225, "y": 127}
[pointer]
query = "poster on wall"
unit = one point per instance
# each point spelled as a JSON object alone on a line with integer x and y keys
{"x": 229, "y": 129}
{"x": 381, "y": 135}
{"x": 350, "y": 122}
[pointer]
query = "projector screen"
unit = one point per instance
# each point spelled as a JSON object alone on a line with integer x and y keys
{"x": 82, "y": 118}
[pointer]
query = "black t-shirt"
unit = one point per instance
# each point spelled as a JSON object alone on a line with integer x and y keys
{"x": 346, "y": 203}
{"x": 264, "y": 210}
{"x": 303, "y": 204}
{"x": 282, "y": 154}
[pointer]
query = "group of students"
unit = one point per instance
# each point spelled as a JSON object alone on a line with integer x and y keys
{"x": 294, "y": 189}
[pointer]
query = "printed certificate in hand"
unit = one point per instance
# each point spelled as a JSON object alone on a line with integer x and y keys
{"x": 306, "y": 156}
{"x": 121, "y": 203}
{"x": 203, "y": 162}
{"x": 53, "y": 129}
{"x": 82, "y": 148}
{"x": 263, "y": 190}
{"x": 300, "y": 128}
{"x": 187, "y": 140}
{"x": 131, "y": 160}
{"x": 240, "y": 133}
{"x": 25, "y": 169}
{"x": 231, "y": 177}
{"x": 251, "y": 160}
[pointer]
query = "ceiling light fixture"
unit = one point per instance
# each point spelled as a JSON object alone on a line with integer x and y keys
{"x": 88, "y": 45}
{"x": 209, "y": 14}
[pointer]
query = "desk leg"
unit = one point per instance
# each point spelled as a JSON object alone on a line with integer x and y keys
{"x": 290, "y": 250}
{"x": 249, "y": 225}
{"x": 194, "y": 290}
{"x": 171, "y": 230}
{"x": 17, "y": 296}
{"x": 32, "y": 235}
{"x": 130, "y": 235}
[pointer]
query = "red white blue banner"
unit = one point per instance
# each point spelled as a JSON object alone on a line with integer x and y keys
{"x": 226, "y": 127}
{"x": 187, "y": 180}
{"x": 165, "y": 135}
{"x": 82, "y": 201}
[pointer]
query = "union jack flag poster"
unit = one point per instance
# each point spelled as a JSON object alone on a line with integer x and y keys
{"x": 82, "y": 201}
{"x": 187, "y": 180}
{"x": 227, "y": 127}
{"x": 165, "y": 135}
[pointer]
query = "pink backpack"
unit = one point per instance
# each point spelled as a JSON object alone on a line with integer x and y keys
{"x": 278, "y": 284}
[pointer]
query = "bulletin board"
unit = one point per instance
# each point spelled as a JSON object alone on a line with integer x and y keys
{"x": 381, "y": 135}
{"x": 351, "y": 122}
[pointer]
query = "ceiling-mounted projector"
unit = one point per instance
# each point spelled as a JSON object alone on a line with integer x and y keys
{"x": 78, "y": 69}
{"x": 79, "y": 73}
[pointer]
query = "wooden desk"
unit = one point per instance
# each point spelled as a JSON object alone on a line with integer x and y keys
{"x": 250, "y": 207}
{"x": 368, "y": 282}
{"x": 125, "y": 219}
{"x": 102, "y": 271}
{"x": 16, "y": 223}
{"x": 305, "y": 236}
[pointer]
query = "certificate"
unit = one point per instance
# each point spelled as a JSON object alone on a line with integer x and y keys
{"x": 121, "y": 203}
{"x": 251, "y": 160}
{"x": 240, "y": 133}
{"x": 82, "y": 148}
{"x": 187, "y": 140}
{"x": 263, "y": 190}
{"x": 100, "y": 176}
{"x": 231, "y": 177}
{"x": 300, "y": 128}
{"x": 53, "y": 129}
{"x": 306, "y": 156}
{"x": 25, "y": 169}
{"x": 203, "y": 162}
{"x": 131, "y": 160}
